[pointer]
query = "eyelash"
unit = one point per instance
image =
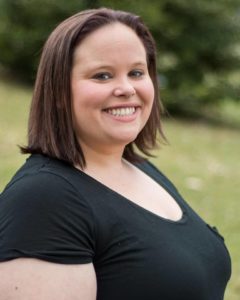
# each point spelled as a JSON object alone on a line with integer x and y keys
{"x": 104, "y": 76}
{"x": 138, "y": 72}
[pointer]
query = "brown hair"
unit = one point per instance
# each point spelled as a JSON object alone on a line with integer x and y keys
{"x": 51, "y": 129}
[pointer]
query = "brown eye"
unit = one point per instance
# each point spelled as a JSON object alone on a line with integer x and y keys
{"x": 136, "y": 73}
{"x": 102, "y": 76}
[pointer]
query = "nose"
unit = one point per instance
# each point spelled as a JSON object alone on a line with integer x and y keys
{"x": 124, "y": 88}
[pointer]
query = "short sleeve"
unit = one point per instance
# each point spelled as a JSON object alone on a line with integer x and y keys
{"x": 43, "y": 216}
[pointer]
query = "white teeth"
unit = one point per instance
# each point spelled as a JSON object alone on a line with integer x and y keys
{"x": 127, "y": 111}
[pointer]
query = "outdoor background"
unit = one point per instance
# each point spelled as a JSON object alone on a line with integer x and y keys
{"x": 198, "y": 46}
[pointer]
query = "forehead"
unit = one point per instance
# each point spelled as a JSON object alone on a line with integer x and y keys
{"x": 110, "y": 42}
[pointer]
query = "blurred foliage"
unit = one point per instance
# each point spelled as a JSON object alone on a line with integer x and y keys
{"x": 25, "y": 25}
{"x": 198, "y": 43}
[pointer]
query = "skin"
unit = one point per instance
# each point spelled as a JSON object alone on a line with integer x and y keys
{"x": 28, "y": 279}
{"x": 110, "y": 73}
{"x": 103, "y": 79}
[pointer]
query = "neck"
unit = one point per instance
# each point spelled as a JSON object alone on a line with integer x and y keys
{"x": 102, "y": 158}
{"x": 108, "y": 167}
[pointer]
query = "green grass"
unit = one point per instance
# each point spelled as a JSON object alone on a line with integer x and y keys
{"x": 14, "y": 106}
{"x": 202, "y": 160}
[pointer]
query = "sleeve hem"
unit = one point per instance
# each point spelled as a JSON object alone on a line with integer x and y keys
{"x": 59, "y": 260}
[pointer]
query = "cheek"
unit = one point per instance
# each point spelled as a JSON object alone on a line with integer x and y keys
{"x": 87, "y": 94}
{"x": 147, "y": 92}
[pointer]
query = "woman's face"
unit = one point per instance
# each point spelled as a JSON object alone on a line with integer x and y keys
{"x": 112, "y": 91}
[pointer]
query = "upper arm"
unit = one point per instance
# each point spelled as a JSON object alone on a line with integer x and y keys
{"x": 47, "y": 241}
{"x": 28, "y": 278}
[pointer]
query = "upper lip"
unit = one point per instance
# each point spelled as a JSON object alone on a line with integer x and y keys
{"x": 123, "y": 105}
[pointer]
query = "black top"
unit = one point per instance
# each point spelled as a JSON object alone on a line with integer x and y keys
{"x": 54, "y": 212}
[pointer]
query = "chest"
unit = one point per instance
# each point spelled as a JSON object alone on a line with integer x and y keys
{"x": 143, "y": 255}
{"x": 160, "y": 259}
{"x": 148, "y": 194}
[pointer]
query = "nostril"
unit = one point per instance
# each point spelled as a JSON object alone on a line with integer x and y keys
{"x": 121, "y": 92}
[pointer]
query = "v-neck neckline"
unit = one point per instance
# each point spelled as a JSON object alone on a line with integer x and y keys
{"x": 101, "y": 185}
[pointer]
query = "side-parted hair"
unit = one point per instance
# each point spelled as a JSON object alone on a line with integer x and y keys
{"x": 50, "y": 129}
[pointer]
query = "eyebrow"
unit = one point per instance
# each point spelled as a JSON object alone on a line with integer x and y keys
{"x": 106, "y": 66}
{"x": 141, "y": 63}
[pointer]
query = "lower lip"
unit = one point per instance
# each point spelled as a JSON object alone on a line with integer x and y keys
{"x": 124, "y": 119}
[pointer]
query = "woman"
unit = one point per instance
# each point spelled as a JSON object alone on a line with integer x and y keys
{"x": 86, "y": 217}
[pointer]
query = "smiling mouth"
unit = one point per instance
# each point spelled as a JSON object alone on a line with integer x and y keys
{"x": 121, "y": 112}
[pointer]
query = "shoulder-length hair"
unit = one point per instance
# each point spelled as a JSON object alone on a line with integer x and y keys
{"x": 50, "y": 128}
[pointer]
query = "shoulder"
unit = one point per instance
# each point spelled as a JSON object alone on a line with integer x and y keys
{"x": 35, "y": 178}
{"x": 40, "y": 172}
{"x": 42, "y": 183}
{"x": 43, "y": 215}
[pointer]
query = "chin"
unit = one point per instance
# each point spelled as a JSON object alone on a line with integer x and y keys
{"x": 125, "y": 140}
